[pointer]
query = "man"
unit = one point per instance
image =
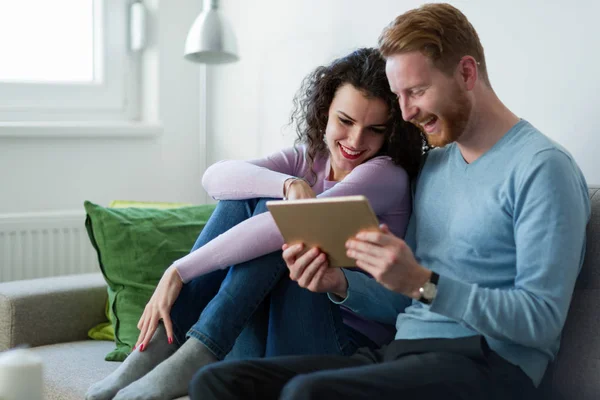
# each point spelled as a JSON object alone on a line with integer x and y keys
{"x": 481, "y": 288}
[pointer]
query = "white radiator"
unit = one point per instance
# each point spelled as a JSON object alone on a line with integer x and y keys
{"x": 36, "y": 245}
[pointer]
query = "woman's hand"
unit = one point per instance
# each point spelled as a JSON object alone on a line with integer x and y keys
{"x": 159, "y": 307}
{"x": 296, "y": 189}
{"x": 311, "y": 270}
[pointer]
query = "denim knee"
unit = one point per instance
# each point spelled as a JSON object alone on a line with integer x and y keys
{"x": 261, "y": 205}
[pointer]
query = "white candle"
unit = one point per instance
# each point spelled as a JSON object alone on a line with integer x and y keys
{"x": 20, "y": 375}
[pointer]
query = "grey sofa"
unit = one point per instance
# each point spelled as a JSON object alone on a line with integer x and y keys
{"x": 54, "y": 314}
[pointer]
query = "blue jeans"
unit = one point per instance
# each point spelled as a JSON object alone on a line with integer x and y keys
{"x": 253, "y": 309}
{"x": 301, "y": 322}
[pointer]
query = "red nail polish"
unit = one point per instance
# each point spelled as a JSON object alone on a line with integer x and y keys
{"x": 142, "y": 347}
{"x": 170, "y": 340}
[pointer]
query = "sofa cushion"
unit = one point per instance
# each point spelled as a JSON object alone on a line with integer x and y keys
{"x": 70, "y": 368}
{"x": 135, "y": 246}
{"x": 51, "y": 310}
{"x": 575, "y": 372}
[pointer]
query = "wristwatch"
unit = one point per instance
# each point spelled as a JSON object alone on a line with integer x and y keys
{"x": 429, "y": 289}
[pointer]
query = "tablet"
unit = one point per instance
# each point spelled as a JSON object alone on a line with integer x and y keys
{"x": 326, "y": 223}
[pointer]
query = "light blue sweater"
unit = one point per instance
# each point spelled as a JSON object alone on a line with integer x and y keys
{"x": 506, "y": 233}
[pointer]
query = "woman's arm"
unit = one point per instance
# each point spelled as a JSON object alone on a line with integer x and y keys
{"x": 236, "y": 180}
{"x": 386, "y": 186}
{"x": 383, "y": 183}
{"x": 246, "y": 241}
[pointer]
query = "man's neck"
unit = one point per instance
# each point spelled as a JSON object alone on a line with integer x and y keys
{"x": 489, "y": 122}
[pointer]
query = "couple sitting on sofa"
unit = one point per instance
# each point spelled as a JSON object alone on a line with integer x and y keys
{"x": 479, "y": 291}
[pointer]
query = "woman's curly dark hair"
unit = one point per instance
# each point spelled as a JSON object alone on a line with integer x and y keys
{"x": 365, "y": 70}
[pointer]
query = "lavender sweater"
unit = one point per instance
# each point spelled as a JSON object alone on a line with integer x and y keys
{"x": 385, "y": 184}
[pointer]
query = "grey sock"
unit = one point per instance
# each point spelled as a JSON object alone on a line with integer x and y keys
{"x": 136, "y": 365}
{"x": 170, "y": 379}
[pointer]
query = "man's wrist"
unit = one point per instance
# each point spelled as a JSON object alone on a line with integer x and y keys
{"x": 342, "y": 291}
{"x": 421, "y": 277}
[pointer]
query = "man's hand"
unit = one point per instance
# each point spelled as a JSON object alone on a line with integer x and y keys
{"x": 389, "y": 260}
{"x": 311, "y": 270}
{"x": 296, "y": 189}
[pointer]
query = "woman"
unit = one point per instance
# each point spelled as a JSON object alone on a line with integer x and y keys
{"x": 351, "y": 140}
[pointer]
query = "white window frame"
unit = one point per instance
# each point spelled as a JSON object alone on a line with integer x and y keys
{"x": 113, "y": 101}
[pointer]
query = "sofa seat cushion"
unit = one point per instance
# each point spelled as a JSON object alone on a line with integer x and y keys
{"x": 70, "y": 368}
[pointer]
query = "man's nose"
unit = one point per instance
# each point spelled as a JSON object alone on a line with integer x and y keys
{"x": 409, "y": 110}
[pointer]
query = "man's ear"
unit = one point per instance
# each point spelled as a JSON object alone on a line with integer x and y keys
{"x": 468, "y": 71}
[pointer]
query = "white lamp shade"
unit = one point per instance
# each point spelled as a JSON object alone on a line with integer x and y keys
{"x": 211, "y": 39}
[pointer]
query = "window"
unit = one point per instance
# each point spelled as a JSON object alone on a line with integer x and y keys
{"x": 67, "y": 60}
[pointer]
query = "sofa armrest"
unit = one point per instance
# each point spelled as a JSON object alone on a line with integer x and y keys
{"x": 50, "y": 310}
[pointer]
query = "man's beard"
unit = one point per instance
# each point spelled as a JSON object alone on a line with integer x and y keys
{"x": 452, "y": 122}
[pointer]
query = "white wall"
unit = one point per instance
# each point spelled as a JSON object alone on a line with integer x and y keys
{"x": 59, "y": 174}
{"x": 542, "y": 60}
{"x": 542, "y": 57}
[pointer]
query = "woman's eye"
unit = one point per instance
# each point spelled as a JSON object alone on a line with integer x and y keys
{"x": 378, "y": 130}
{"x": 345, "y": 121}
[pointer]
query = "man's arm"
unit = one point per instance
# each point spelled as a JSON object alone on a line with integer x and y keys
{"x": 551, "y": 212}
{"x": 369, "y": 299}
{"x": 351, "y": 288}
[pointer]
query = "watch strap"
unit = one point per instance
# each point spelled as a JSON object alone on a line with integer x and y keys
{"x": 435, "y": 277}
{"x": 432, "y": 280}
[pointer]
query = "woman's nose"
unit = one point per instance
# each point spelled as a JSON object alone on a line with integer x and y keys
{"x": 356, "y": 137}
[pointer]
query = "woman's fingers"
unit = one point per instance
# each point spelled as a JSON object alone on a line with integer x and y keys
{"x": 150, "y": 329}
{"x": 148, "y": 325}
{"x": 145, "y": 320}
{"x": 142, "y": 319}
{"x": 291, "y": 252}
{"x": 385, "y": 229}
{"x": 166, "y": 318}
{"x": 313, "y": 286}
{"x": 159, "y": 308}
{"x": 308, "y": 273}
{"x": 316, "y": 284}
{"x": 300, "y": 264}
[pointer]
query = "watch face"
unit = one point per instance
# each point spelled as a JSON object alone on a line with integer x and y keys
{"x": 429, "y": 291}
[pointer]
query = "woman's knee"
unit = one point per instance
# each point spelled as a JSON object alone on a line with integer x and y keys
{"x": 261, "y": 205}
{"x": 235, "y": 204}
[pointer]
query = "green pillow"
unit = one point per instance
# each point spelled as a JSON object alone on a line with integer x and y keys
{"x": 104, "y": 330}
{"x": 135, "y": 245}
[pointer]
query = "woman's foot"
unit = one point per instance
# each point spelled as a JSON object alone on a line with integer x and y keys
{"x": 136, "y": 365}
{"x": 170, "y": 379}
